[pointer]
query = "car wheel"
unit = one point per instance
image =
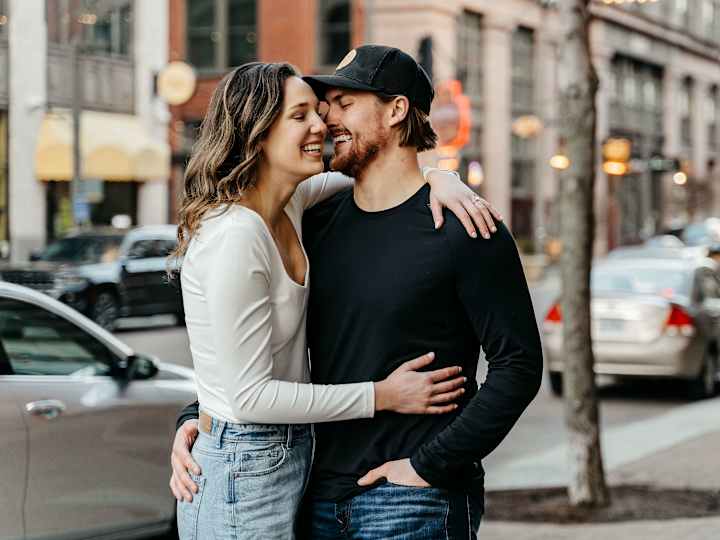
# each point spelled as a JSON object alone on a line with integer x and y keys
{"x": 105, "y": 310}
{"x": 556, "y": 383}
{"x": 704, "y": 385}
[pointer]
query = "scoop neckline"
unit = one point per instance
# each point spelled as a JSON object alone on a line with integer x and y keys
{"x": 304, "y": 285}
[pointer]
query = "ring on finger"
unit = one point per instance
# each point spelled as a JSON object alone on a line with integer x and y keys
{"x": 477, "y": 201}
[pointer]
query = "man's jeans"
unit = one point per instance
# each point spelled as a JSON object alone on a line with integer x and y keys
{"x": 392, "y": 512}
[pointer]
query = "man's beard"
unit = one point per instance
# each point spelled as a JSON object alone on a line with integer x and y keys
{"x": 355, "y": 160}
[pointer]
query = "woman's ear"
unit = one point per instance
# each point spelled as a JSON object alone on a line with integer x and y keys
{"x": 399, "y": 111}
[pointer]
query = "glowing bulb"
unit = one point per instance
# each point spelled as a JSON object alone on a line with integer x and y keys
{"x": 475, "y": 174}
{"x": 680, "y": 178}
{"x": 560, "y": 162}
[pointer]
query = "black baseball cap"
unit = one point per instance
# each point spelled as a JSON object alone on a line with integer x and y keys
{"x": 379, "y": 69}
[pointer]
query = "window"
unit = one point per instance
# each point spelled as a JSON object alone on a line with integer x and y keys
{"x": 102, "y": 27}
{"x": 335, "y": 31}
{"x": 686, "y": 112}
{"x": 682, "y": 13}
{"x": 713, "y": 115}
{"x": 221, "y": 33}
{"x": 522, "y": 71}
{"x": 707, "y": 18}
{"x": 470, "y": 49}
{"x": 523, "y": 149}
{"x": 38, "y": 342}
{"x": 150, "y": 248}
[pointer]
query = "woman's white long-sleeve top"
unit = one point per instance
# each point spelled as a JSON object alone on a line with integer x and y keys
{"x": 246, "y": 321}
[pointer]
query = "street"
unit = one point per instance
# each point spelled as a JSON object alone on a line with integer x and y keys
{"x": 540, "y": 428}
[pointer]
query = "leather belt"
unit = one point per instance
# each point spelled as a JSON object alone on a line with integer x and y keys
{"x": 205, "y": 422}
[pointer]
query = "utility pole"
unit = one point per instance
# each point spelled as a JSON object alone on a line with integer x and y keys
{"x": 76, "y": 115}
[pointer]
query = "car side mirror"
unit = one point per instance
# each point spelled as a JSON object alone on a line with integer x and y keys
{"x": 35, "y": 255}
{"x": 135, "y": 367}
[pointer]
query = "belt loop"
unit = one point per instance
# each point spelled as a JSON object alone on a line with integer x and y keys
{"x": 219, "y": 429}
{"x": 289, "y": 435}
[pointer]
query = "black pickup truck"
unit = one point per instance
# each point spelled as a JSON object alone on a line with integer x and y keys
{"x": 106, "y": 273}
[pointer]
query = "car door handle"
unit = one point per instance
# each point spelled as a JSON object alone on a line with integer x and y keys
{"x": 49, "y": 408}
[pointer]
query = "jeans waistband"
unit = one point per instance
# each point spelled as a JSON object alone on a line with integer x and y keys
{"x": 220, "y": 431}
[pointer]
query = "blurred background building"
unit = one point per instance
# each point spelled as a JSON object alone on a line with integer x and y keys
{"x": 658, "y": 123}
{"x": 101, "y": 57}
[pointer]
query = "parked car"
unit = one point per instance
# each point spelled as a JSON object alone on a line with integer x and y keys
{"x": 106, "y": 273}
{"x": 86, "y": 425}
{"x": 651, "y": 317}
{"x": 702, "y": 233}
{"x": 664, "y": 241}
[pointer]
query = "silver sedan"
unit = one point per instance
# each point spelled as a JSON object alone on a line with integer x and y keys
{"x": 652, "y": 316}
{"x": 86, "y": 426}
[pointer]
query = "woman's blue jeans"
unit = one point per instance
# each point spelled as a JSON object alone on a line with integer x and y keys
{"x": 252, "y": 479}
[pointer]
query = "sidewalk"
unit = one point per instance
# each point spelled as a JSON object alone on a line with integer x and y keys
{"x": 678, "y": 450}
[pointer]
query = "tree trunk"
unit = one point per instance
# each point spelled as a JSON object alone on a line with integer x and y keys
{"x": 578, "y": 88}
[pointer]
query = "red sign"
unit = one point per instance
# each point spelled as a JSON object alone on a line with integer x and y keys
{"x": 450, "y": 115}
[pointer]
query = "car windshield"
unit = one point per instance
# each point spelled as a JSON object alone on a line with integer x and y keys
{"x": 641, "y": 280}
{"x": 83, "y": 249}
{"x": 698, "y": 234}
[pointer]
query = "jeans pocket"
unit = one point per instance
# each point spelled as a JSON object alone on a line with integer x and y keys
{"x": 187, "y": 512}
{"x": 260, "y": 460}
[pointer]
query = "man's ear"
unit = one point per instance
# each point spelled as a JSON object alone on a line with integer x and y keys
{"x": 399, "y": 111}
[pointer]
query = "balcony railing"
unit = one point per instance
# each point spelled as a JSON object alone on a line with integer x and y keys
{"x": 107, "y": 81}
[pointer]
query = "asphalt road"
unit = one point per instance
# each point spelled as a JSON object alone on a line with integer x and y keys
{"x": 542, "y": 425}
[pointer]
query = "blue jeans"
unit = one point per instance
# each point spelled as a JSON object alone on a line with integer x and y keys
{"x": 392, "y": 512}
{"x": 252, "y": 479}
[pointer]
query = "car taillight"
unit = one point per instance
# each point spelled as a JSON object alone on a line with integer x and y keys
{"x": 679, "y": 322}
{"x": 553, "y": 319}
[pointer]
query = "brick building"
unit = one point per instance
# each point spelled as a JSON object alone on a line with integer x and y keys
{"x": 216, "y": 35}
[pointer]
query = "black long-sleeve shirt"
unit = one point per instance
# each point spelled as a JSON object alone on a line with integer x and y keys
{"x": 387, "y": 287}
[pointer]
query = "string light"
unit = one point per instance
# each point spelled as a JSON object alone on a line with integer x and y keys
{"x": 87, "y": 18}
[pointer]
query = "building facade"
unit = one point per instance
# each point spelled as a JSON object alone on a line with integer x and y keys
{"x": 101, "y": 56}
{"x": 659, "y": 68}
{"x": 658, "y": 62}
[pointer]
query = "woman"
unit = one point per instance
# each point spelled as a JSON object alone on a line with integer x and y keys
{"x": 245, "y": 285}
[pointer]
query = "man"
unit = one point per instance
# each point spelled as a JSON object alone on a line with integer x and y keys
{"x": 388, "y": 285}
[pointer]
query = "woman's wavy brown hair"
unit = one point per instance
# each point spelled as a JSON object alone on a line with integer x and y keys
{"x": 225, "y": 158}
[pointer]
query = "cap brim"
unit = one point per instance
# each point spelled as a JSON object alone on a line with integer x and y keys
{"x": 321, "y": 83}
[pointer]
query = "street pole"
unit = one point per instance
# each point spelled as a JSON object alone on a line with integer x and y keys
{"x": 76, "y": 113}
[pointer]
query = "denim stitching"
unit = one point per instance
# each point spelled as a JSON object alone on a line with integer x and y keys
{"x": 247, "y": 474}
{"x": 467, "y": 506}
{"x": 447, "y": 518}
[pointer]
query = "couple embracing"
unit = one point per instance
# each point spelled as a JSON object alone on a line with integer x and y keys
{"x": 355, "y": 273}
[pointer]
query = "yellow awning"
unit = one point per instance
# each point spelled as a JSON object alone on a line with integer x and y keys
{"x": 113, "y": 147}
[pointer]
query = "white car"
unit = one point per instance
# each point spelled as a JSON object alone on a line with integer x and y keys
{"x": 86, "y": 426}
